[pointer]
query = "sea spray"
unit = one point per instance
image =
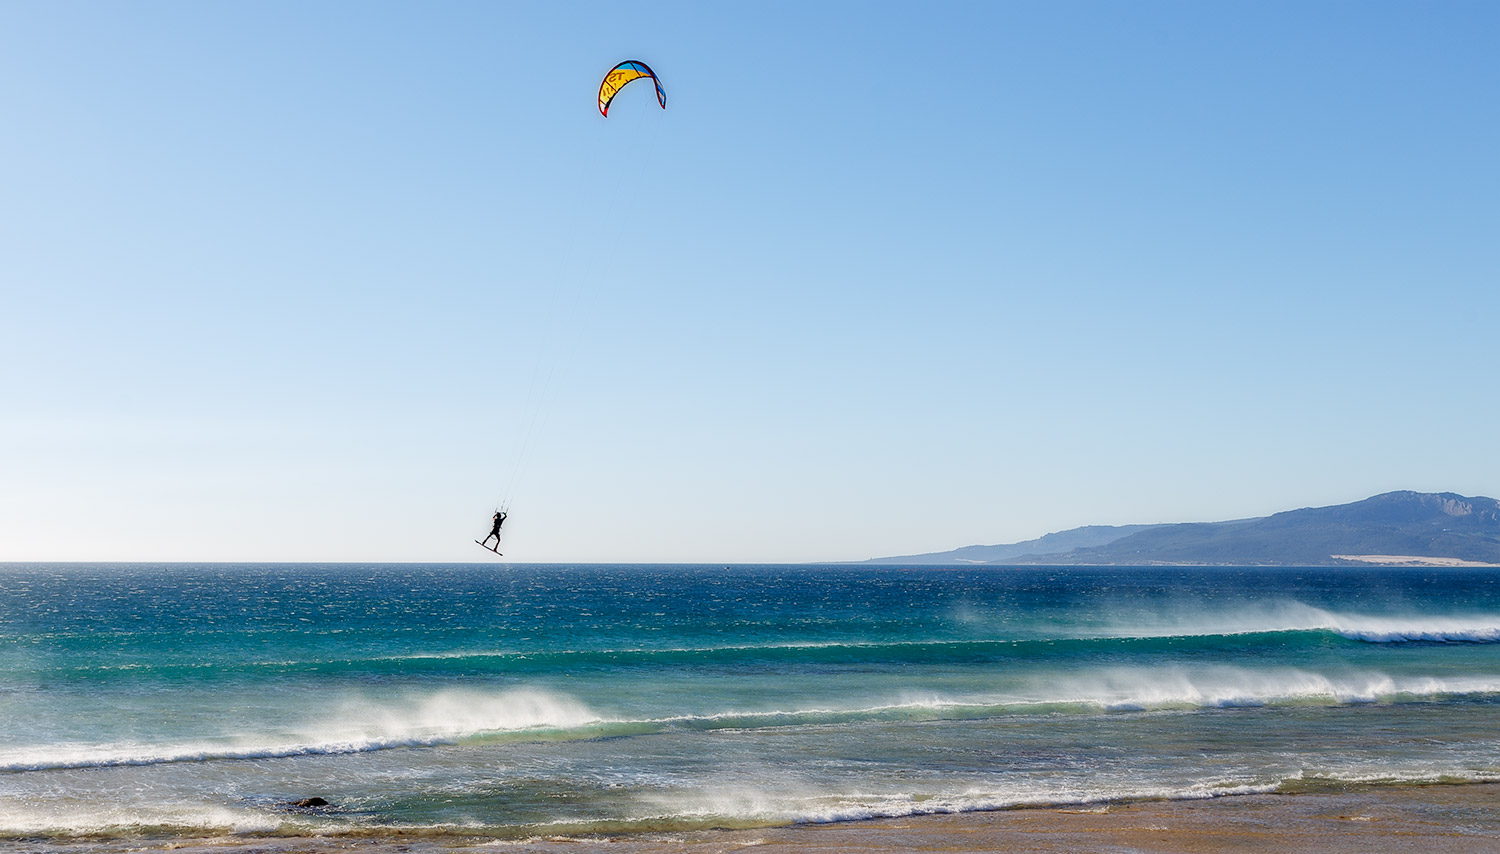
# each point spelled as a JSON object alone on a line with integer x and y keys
{"x": 540, "y": 700}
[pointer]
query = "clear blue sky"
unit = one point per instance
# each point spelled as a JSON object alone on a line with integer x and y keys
{"x": 292, "y": 281}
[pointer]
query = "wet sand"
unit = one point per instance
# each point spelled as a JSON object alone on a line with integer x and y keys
{"x": 1435, "y": 819}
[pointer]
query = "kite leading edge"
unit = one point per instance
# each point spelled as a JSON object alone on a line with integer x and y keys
{"x": 623, "y": 73}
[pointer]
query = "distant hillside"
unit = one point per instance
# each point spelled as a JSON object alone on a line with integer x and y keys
{"x": 1062, "y": 541}
{"x": 1395, "y": 527}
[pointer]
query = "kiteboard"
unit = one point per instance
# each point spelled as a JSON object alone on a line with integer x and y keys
{"x": 481, "y": 544}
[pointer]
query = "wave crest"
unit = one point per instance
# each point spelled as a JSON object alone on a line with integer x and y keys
{"x": 453, "y": 717}
{"x": 356, "y": 726}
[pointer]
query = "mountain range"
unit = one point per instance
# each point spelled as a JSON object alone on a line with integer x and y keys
{"x": 1433, "y": 528}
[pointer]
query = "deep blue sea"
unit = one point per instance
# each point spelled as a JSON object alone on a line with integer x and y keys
{"x": 541, "y": 700}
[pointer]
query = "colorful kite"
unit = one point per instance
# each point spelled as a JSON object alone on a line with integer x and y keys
{"x": 621, "y": 74}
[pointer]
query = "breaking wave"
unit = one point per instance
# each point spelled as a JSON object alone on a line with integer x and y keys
{"x": 528, "y": 715}
{"x": 721, "y": 807}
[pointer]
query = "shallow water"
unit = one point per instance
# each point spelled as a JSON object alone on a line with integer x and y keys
{"x": 546, "y": 699}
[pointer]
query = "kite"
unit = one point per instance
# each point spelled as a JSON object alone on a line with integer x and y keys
{"x": 621, "y": 74}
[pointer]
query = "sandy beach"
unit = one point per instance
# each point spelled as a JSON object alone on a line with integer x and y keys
{"x": 1437, "y": 819}
{"x": 1412, "y": 560}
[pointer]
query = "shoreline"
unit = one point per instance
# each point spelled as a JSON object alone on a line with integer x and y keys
{"x": 1415, "y": 561}
{"x": 1440, "y": 818}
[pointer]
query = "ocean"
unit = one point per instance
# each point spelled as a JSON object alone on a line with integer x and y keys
{"x": 521, "y": 701}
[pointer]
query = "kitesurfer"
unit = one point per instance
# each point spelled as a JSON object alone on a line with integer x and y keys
{"x": 499, "y": 519}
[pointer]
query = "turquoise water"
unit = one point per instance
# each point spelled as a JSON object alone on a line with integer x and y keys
{"x": 545, "y": 699}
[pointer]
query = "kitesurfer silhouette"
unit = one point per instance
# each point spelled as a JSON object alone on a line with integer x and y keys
{"x": 499, "y": 520}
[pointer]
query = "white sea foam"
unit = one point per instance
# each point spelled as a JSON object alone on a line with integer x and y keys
{"x": 1480, "y": 629}
{"x": 1291, "y": 616}
{"x": 455, "y": 714}
{"x": 774, "y": 798}
{"x": 357, "y": 725}
{"x": 1136, "y": 689}
{"x": 792, "y": 801}
{"x": 1130, "y": 688}
{"x": 68, "y": 817}
{"x": 363, "y": 724}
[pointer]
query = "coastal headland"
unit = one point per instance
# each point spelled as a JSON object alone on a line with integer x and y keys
{"x": 1401, "y": 528}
